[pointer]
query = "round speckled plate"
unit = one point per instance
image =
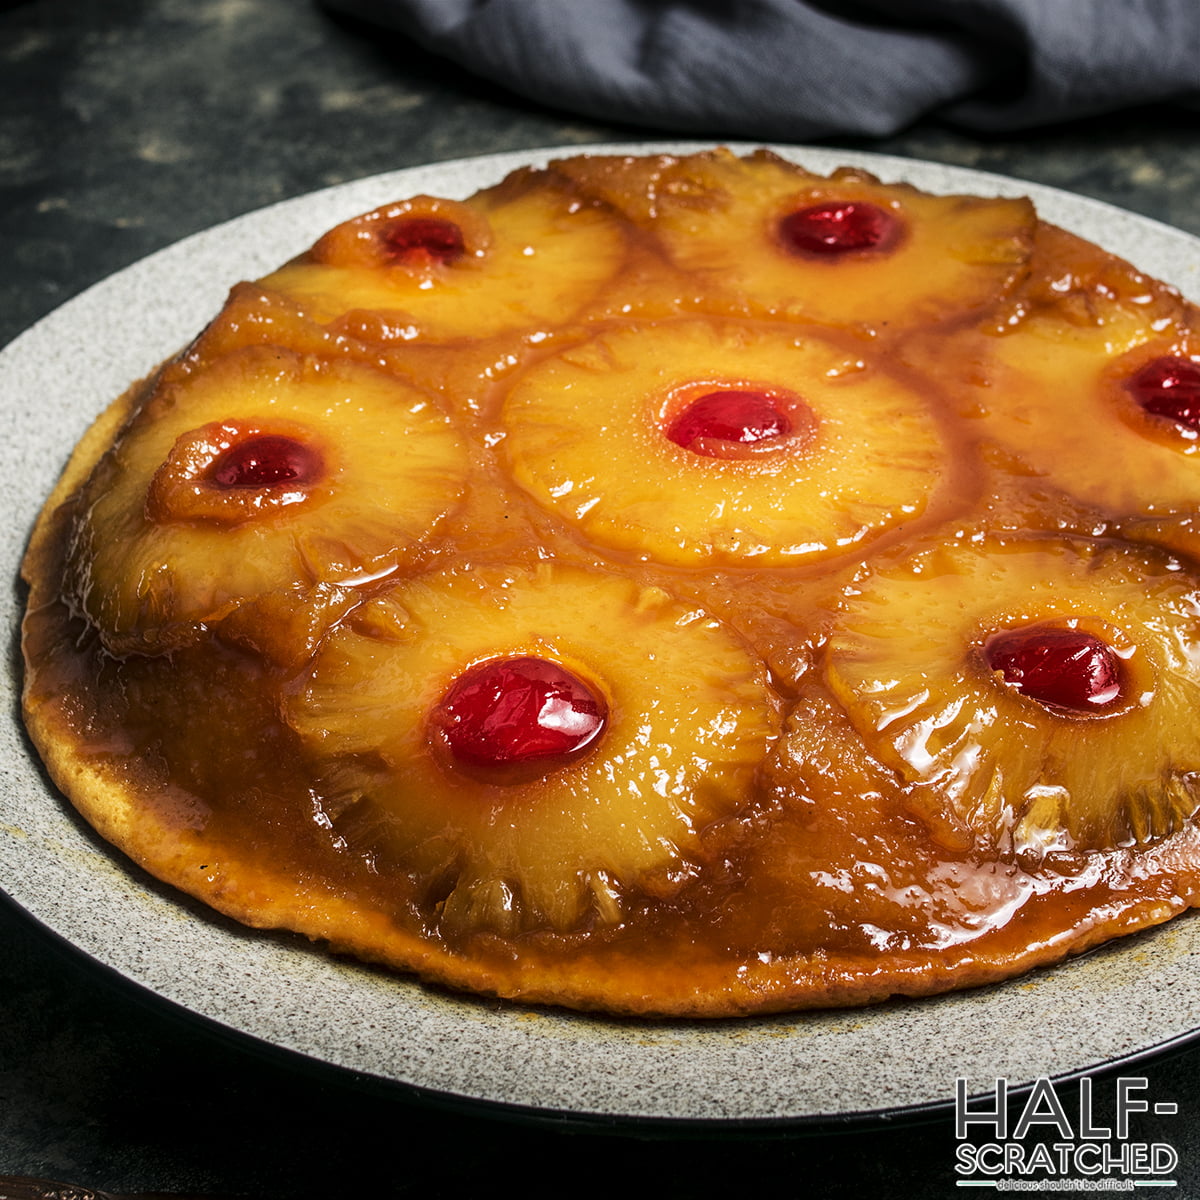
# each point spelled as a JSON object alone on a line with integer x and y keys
{"x": 1110, "y": 1006}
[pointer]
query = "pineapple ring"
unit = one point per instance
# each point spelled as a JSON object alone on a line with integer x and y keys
{"x": 586, "y": 437}
{"x": 157, "y": 548}
{"x": 986, "y": 765}
{"x": 720, "y": 216}
{"x": 528, "y": 256}
{"x": 691, "y": 717}
{"x": 1117, "y": 457}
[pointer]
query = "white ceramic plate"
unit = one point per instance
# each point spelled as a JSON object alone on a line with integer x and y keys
{"x": 1113, "y": 1005}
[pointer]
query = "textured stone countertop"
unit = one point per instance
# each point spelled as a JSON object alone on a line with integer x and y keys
{"x": 127, "y": 125}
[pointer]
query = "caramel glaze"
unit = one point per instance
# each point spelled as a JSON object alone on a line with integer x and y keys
{"x": 825, "y": 887}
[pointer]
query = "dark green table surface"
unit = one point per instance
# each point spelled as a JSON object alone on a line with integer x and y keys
{"x": 128, "y": 124}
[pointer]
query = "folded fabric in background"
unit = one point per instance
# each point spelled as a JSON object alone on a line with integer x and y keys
{"x": 790, "y": 69}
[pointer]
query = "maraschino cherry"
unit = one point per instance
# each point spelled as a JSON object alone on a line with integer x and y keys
{"x": 837, "y": 228}
{"x": 519, "y": 713}
{"x": 1169, "y": 387}
{"x": 266, "y": 460}
{"x": 734, "y": 415}
{"x": 1066, "y": 669}
{"x": 423, "y": 239}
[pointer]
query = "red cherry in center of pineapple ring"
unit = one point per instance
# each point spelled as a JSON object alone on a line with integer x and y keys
{"x": 1066, "y": 669}
{"x": 519, "y": 712}
{"x": 838, "y": 227}
{"x": 266, "y": 460}
{"x": 412, "y": 239}
{"x": 732, "y": 415}
{"x": 1169, "y": 387}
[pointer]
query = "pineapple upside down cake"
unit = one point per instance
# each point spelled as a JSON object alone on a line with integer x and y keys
{"x": 664, "y": 585}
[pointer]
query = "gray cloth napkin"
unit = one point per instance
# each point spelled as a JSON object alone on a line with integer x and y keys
{"x": 791, "y": 69}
